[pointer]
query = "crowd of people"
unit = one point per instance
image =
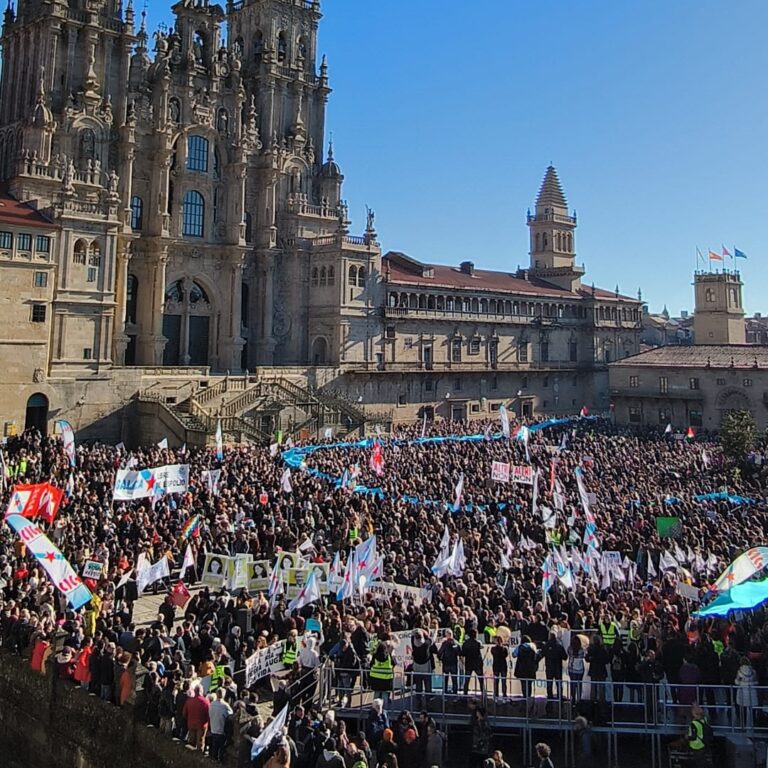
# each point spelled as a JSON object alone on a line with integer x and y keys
{"x": 183, "y": 672}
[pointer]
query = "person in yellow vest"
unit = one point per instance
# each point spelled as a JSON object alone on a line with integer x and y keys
{"x": 382, "y": 671}
{"x": 291, "y": 651}
{"x": 608, "y": 630}
{"x": 490, "y": 630}
{"x": 458, "y": 630}
{"x": 696, "y": 741}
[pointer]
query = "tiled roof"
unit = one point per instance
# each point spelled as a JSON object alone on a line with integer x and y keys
{"x": 20, "y": 214}
{"x": 442, "y": 276}
{"x": 701, "y": 356}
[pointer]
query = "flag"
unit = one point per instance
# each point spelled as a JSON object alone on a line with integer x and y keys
{"x": 504, "y": 417}
{"x": 335, "y": 577}
{"x": 179, "y": 594}
{"x": 714, "y": 256}
{"x": 563, "y": 569}
{"x": 667, "y": 562}
{"x": 651, "y": 569}
{"x": 459, "y": 559}
{"x": 377, "y": 459}
{"x": 163, "y": 444}
{"x": 275, "y": 581}
{"x": 583, "y": 496}
{"x": 188, "y": 561}
{"x": 211, "y": 478}
{"x": 365, "y": 556}
{"x": 705, "y": 459}
{"x": 668, "y": 430}
{"x": 690, "y": 434}
{"x": 191, "y": 527}
{"x": 548, "y": 576}
{"x": 505, "y": 564}
{"x": 458, "y": 493}
{"x": 146, "y": 575}
{"x": 424, "y": 426}
{"x": 584, "y": 412}
{"x": 726, "y": 252}
{"x": 273, "y": 731}
{"x": 70, "y": 489}
{"x": 285, "y": 481}
{"x": 328, "y": 434}
{"x": 669, "y": 527}
{"x": 31, "y": 501}
{"x": 347, "y": 589}
{"x": 273, "y": 450}
{"x": 445, "y": 544}
{"x": 310, "y": 593}
{"x": 58, "y": 568}
{"x": 700, "y": 256}
{"x": 68, "y": 438}
{"x": 50, "y": 500}
{"x": 219, "y": 442}
{"x": 378, "y": 569}
{"x": 737, "y": 254}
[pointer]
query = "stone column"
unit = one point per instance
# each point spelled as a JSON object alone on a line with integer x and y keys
{"x": 120, "y": 342}
{"x": 184, "y": 356}
{"x": 151, "y": 342}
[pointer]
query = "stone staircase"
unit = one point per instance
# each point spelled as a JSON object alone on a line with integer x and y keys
{"x": 254, "y": 408}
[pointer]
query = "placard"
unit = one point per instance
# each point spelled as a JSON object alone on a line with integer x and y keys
{"x": 522, "y": 475}
{"x": 93, "y": 569}
{"x": 688, "y": 592}
{"x": 260, "y": 571}
{"x": 216, "y": 570}
{"x": 500, "y": 472}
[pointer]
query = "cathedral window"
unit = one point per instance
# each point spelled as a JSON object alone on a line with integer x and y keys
{"x": 258, "y": 45}
{"x": 87, "y": 144}
{"x": 197, "y": 153}
{"x": 538, "y": 242}
{"x": 352, "y": 276}
{"x": 216, "y": 204}
{"x": 361, "y": 277}
{"x": 137, "y": 213}
{"x": 569, "y": 244}
{"x": 331, "y": 276}
{"x": 323, "y": 276}
{"x": 244, "y": 305}
{"x": 193, "y": 224}
{"x": 544, "y": 240}
{"x": 131, "y": 299}
{"x": 315, "y": 277}
{"x": 709, "y": 295}
{"x": 79, "y": 254}
{"x": 248, "y": 221}
{"x": 456, "y": 351}
{"x": 282, "y": 48}
{"x": 237, "y": 48}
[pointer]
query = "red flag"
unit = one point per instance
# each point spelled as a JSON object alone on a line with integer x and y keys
{"x": 32, "y": 501}
{"x": 179, "y": 594}
{"x": 584, "y": 411}
{"x": 377, "y": 459}
{"x": 690, "y": 434}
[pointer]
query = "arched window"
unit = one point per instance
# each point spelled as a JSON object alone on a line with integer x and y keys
{"x": 258, "y": 45}
{"x": 87, "y": 144}
{"x": 352, "y": 276}
{"x": 331, "y": 275}
{"x": 79, "y": 254}
{"x": 544, "y": 240}
{"x": 570, "y": 242}
{"x": 197, "y": 153}
{"x": 315, "y": 276}
{"x": 137, "y": 213}
{"x": 323, "y": 276}
{"x": 392, "y": 299}
{"x": 199, "y": 46}
{"x": 248, "y": 221}
{"x": 198, "y": 295}
{"x": 362, "y": 276}
{"x": 193, "y": 220}
{"x": 131, "y": 299}
{"x": 282, "y": 48}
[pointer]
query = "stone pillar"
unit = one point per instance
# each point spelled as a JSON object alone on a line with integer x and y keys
{"x": 266, "y": 345}
{"x": 120, "y": 342}
{"x": 151, "y": 342}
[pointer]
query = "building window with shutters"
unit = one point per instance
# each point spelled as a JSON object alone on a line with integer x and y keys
{"x": 635, "y": 414}
{"x": 663, "y": 385}
{"x": 634, "y": 382}
{"x": 456, "y": 351}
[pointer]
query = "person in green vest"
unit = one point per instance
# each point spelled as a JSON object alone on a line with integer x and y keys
{"x": 382, "y": 671}
{"x": 608, "y": 630}
{"x": 458, "y": 630}
{"x": 490, "y": 630}
{"x": 291, "y": 651}
{"x": 697, "y": 740}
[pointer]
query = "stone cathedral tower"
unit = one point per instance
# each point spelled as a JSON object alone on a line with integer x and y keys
{"x": 200, "y": 222}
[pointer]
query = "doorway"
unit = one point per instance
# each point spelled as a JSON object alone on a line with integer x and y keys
{"x": 37, "y": 413}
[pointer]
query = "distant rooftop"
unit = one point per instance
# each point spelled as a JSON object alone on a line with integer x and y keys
{"x": 701, "y": 356}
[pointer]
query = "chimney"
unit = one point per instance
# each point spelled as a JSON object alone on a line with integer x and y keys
{"x": 468, "y": 268}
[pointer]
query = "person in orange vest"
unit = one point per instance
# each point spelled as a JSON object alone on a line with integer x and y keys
{"x": 82, "y": 664}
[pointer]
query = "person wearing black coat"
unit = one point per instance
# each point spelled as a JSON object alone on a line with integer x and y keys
{"x": 598, "y": 658}
{"x": 554, "y": 655}
{"x": 449, "y": 657}
{"x": 526, "y": 666}
{"x": 472, "y": 652}
{"x": 500, "y": 668}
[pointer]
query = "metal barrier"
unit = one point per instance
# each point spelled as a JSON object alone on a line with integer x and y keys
{"x": 618, "y": 708}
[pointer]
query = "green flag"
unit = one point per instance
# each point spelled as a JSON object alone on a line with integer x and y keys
{"x": 669, "y": 527}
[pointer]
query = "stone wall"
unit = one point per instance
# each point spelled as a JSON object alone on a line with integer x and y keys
{"x": 46, "y": 723}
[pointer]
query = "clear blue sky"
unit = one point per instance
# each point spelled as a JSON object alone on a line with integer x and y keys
{"x": 655, "y": 113}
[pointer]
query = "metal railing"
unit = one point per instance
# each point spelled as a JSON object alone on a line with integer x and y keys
{"x": 654, "y": 711}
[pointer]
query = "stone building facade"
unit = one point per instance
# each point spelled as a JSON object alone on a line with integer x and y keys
{"x": 698, "y": 384}
{"x": 198, "y": 224}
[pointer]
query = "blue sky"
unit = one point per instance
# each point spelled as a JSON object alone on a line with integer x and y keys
{"x": 655, "y": 113}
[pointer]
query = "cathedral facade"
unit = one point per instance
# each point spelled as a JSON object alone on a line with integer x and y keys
{"x": 196, "y": 224}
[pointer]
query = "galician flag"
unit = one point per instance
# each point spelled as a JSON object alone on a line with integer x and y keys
{"x": 504, "y": 417}
{"x": 273, "y": 731}
{"x": 310, "y": 593}
{"x": 347, "y": 589}
{"x": 219, "y": 442}
{"x": 459, "y": 492}
{"x": 737, "y": 254}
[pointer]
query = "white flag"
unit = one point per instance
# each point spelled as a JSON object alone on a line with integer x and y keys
{"x": 211, "y": 478}
{"x": 219, "y": 442}
{"x": 668, "y": 430}
{"x": 146, "y": 576}
{"x": 163, "y": 444}
{"x": 651, "y": 568}
{"x": 310, "y": 593}
{"x": 445, "y": 544}
{"x": 273, "y": 731}
{"x": 285, "y": 481}
{"x": 188, "y": 562}
{"x": 328, "y": 433}
{"x": 667, "y": 562}
{"x": 459, "y": 492}
{"x": 273, "y": 450}
{"x": 424, "y": 425}
{"x": 504, "y": 416}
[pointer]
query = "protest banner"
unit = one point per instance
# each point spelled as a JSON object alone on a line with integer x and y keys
{"x": 265, "y": 662}
{"x": 215, "y": 570}
{"x": 500, "y": 472}
{"x": 149, "y": 483}
{"x": 405, "y": 593}
{"x": 522, "y": 475}
{"x": 688, "y": 592}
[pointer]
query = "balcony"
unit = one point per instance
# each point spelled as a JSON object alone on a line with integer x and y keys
{"x": 480, "y": 366}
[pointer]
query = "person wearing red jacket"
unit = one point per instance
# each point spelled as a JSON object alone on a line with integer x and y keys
{"x": 82, "y": 664}
{"x": 195, "y": 713}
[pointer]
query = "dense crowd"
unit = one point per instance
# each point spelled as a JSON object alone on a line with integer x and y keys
{"x": 183, "y": 673}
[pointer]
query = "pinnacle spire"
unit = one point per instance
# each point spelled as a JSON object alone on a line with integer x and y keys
{"x": 551, "y": 193}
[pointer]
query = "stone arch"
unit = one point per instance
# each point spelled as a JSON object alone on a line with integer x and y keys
{"x": 730, "y": 400}
{"x": 319, "y": 350}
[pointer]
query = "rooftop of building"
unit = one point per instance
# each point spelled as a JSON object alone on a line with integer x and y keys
{"x": 18, "y": 214}
{"x": 700, "y": 356}
{"x": 401, "y": 269}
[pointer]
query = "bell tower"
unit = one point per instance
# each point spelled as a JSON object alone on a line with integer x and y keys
{"x": 552, "y": 230}
{"x": 719, "y": 314}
